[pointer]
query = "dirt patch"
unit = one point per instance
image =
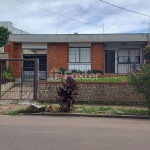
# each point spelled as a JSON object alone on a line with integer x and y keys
{"x": 5, "y": 108}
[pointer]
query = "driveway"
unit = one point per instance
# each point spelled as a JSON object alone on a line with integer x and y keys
{"x": 73, "y": 133}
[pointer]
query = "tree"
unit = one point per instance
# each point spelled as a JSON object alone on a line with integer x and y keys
{"x": 4, "y": 34}
{"x": 146, "y": 55}
{"x": 140, "y": 80}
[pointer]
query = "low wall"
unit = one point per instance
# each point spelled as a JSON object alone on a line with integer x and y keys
{"x": 98, "y": 93}
{"x": 6, "y": 87}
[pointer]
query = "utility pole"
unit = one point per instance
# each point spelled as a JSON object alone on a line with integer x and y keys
{"x": 57, "y": 28}
{"x": 148, "y": 34}
{"x": 103, "y": 28}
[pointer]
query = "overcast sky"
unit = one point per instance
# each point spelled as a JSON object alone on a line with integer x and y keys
{"x": 36, "y": 17}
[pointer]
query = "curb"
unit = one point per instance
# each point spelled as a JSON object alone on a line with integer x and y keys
{"x": 87, "y": 115}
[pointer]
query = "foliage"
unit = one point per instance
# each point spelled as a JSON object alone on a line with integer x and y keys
{"x": 13, "y": 112}
{"x": 96, "y": 71}
{"x": 7, "y": 76}
{"x": 4, "y": 34}
{"x": 4, "y": 81}
{"x": 88, "y": 71}
{"x": 67, "y": 93}
{"x": 147, "y": 53}
{"x": 61, "y": 71}
{"x": 102, "y": 108}
{"x": 140, "y": 80}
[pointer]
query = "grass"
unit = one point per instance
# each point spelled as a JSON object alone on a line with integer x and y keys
{"x": 93, "y": 109}
{"x": 13, "y": 112}
{"x": 111, "y": 110}
{"x": 89, "y": 110}
{"x": 131, "y": 111}
{"x": 102, "y": 108}
{"x": 103, "y": 79}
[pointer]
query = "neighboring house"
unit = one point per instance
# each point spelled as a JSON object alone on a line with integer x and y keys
{"x": 111, "y": 53}
{"x": 13, "y": 30}
{"x": 9, "y": 25}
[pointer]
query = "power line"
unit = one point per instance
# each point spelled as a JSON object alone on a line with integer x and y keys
{"x": 65, "y": 16}
{"x": 59, "y": 14}
{"x": 125, "y": 9}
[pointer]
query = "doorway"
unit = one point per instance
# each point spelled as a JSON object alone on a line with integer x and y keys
{"x": 109, "y": 61}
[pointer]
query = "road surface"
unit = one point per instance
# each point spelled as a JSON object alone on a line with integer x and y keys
{"x": 73, "y": 133}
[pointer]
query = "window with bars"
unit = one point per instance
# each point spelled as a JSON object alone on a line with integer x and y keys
{"x": 79, "y": 54}
{"x": 128, "y": 56}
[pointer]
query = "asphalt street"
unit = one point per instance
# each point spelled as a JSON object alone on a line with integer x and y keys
{"x": 73, "y": 133}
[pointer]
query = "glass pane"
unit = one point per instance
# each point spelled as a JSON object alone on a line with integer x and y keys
{"x": 134, "y": 59}
{"x": 73, "y": 54}
{"x": 123, "y": 52}
{"x": 123, "y": 59}
{"x": 135, "y": 52}
{"x": 77, "y": 57}
{"x": 85, "y": 54}
{"x": 71, "y": 58}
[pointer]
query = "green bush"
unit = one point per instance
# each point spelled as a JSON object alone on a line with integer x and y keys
{"x": 147, "y": 53}
{"x": 7, "y": 74}
{"x": 61, "y": 71}
{"x": 140, "y": 80}
{"x": 96, "y": 71}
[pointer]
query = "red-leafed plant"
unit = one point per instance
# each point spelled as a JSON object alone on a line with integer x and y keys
{"x": 67, "y": 93}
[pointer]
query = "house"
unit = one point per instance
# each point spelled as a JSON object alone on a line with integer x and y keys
{"x": 9, "y": 25}
{"x": 111, "y": 53}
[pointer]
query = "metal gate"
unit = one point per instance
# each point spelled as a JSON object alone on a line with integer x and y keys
{"x": 12, "y": 83}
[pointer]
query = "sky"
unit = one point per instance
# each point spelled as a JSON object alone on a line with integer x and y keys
{"x": 81, "y": 16}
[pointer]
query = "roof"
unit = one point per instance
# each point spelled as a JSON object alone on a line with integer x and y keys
{"x": 48, "y": 38}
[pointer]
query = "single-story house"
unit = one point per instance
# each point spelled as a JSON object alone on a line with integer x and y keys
{"x": 110, "y": 53}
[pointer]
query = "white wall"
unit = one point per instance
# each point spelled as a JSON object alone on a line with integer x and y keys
{"x": 2, "y": 50}
{"x": 79, "y": 44}
{"x": 34, "y": 45}
{"x": 11, "y": 28}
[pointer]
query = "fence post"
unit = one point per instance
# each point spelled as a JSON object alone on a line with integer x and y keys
{"x": 35, "y": 78}
{"x": 0, "y": 76}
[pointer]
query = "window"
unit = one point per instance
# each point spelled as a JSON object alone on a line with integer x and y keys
{"x": 80, "y": 54}
{"x": 128, "y": 56}
{"x": 29, "y": 65}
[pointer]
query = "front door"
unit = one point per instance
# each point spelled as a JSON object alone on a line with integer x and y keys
{"x": 109, "y": 61}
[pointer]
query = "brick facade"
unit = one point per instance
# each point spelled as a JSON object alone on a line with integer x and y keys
{"x": 15, "y": 51}
{"x": 57, "y": 56}
{"x": 97, "y": 56}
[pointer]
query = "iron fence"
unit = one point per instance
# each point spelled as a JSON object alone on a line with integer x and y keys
{"x": 12, "y": 79}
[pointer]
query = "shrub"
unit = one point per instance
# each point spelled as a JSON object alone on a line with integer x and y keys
{"x": 67, "y": 93}
{"x": 77, "y": 71}
{"x": 96, "y": 71}
{"x": 61, "y": 71}
{"x": 140, "y": 80}
{"x": 147, "y": 53}
{"x": 7, "y": 76}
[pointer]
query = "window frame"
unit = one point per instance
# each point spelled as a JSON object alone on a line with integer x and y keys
{"x": 79, "y": 55}
{"x": 129, "y": 62}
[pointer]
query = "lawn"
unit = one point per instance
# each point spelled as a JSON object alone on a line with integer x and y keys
{"x": 103, "y": 79}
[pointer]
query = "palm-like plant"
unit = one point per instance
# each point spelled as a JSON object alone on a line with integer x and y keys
{"x": 67, "y": 93}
